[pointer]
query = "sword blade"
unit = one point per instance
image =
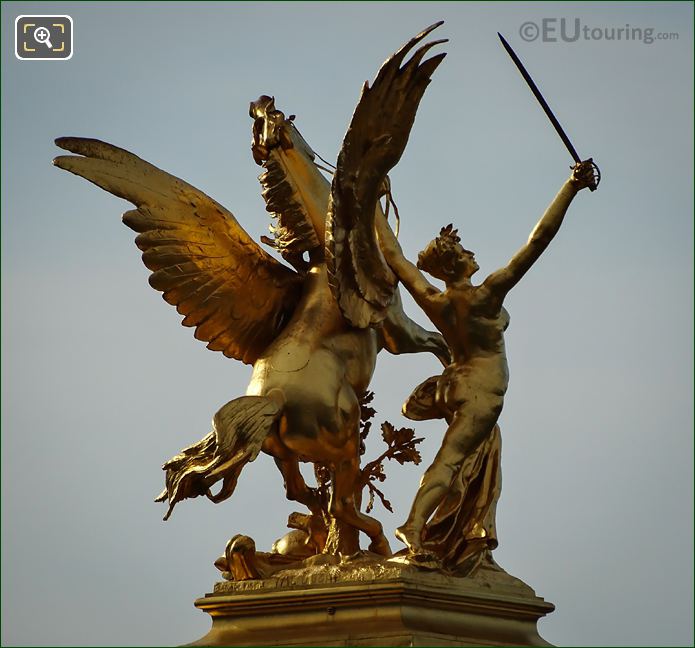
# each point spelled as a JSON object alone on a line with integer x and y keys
{"x": 541, "y": 100}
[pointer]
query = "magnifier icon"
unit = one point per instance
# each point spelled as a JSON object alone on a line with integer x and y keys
{"x": 42, "y": 35}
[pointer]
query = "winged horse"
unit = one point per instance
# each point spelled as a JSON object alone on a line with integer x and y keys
{"x": 310, "y": 364}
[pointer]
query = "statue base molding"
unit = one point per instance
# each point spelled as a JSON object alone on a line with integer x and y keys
{"x": 374, "y": 602}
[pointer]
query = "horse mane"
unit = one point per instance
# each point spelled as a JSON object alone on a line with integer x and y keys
{"x": 294, "y": 189}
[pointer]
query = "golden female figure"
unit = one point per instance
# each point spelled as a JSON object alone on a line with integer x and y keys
{"x": 470, "y": 392}
{"x": 452, "y": 517}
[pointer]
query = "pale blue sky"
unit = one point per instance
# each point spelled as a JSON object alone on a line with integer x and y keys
{"x": 101, "y": 385}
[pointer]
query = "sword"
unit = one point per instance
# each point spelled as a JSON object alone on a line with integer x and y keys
{"x": 546, "y": 108}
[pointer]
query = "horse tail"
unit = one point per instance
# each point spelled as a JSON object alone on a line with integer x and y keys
{"x": 238, "y": 431}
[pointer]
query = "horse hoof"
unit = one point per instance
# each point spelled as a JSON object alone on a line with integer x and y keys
{"x": 381, "y": 546}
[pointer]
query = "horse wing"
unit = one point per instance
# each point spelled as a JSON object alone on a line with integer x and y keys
{"x": 236, "y": 295}
{"x": 373, "y": 144}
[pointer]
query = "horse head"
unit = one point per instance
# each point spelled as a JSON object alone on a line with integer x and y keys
{"x": 294, "y": 189}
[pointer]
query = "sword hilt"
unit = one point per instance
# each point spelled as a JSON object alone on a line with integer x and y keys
{"x": 597, "y": 176}
{"x": 595, "y": 173}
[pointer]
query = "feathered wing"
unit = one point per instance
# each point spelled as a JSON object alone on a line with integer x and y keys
{"x": 236, "y": 295}
{"x": 373, "y": 144}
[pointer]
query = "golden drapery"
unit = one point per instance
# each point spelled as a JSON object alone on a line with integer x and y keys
{"x": 462, "y": 529}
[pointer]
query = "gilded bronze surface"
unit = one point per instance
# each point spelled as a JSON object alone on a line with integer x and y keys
{"x": 459, "y": 491}
{"x": 312, "y": 332}
{"x": 372, "y": 601}
{"x": 451, "y": 523}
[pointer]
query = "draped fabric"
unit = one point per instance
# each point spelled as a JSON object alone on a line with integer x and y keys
{"x": 462, "y": 529}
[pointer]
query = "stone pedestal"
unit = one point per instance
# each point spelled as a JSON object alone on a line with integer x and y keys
{"x": 374, "y": 603}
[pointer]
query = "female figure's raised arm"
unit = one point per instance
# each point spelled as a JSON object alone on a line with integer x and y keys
{"x": 408, "y": 274}
{"x": 503, "y": 280}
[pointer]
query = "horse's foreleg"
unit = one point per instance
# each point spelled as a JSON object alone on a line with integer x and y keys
{"x": 343, "y": 506}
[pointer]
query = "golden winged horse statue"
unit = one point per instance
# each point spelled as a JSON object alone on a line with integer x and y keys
{"x": 311, "y": 365}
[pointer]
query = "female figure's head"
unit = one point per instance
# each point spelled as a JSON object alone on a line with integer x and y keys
{"x": 446, "y": 259}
